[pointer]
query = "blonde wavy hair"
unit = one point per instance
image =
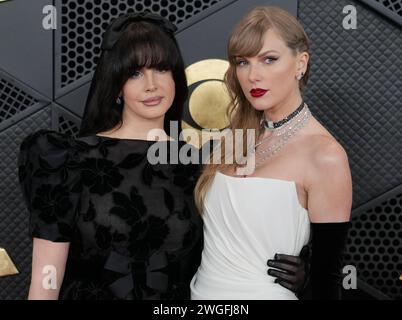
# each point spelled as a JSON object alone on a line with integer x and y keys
{"x": 247, "y": 40}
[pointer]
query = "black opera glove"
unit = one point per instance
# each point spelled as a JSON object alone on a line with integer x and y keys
{"x": 291, "y": 272}
{"x": 328, "y": 244}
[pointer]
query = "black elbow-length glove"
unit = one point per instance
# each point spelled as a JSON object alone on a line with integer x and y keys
{"x": 327, "y": 246}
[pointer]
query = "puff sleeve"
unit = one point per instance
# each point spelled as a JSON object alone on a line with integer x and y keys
{"x": 48, "y": 173}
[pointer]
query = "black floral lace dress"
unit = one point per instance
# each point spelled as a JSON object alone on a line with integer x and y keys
{"x": 133, "y": 228}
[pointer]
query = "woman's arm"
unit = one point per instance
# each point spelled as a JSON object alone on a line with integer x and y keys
{"x": 48, "y": 266}
{"x": 329, "y": 206}
{"x": 329, "y": 186}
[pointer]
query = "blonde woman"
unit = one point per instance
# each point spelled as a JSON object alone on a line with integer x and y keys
{"x": 301, "y": 183}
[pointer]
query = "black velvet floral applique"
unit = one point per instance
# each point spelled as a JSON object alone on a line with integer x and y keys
{"x": 103, "y": 196}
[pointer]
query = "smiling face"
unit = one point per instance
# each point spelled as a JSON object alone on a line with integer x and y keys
{"x": 269, "y": 79}
{"x": 149, "y": 93}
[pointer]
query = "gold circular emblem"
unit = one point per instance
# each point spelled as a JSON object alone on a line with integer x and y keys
{"x": 209, "y": 99}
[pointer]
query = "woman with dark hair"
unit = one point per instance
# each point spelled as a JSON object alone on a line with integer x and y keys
{"x": 142, "y": 45}
{"x": 109, "y": 223}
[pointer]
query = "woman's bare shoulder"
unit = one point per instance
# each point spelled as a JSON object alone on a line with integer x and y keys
{"x": 324, "y": 151}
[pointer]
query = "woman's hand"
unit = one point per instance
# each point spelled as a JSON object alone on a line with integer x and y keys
{"x": 291, "y": 272}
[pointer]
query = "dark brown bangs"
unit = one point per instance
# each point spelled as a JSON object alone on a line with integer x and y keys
{"x": 151, "y": 48}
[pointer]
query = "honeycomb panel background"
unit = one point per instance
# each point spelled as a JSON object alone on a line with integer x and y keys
{"x": 375, "y": 246}
{"x": 84, "y": 22}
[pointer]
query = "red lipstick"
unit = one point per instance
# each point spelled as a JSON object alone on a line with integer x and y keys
{"x": 258, "y": 92}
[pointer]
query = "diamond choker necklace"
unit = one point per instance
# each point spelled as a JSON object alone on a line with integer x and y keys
{"x": 278, "y": 138}
{"x": 270, "y": 125}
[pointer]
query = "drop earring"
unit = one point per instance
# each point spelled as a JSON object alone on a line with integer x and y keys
{"x": 118, "y": 100}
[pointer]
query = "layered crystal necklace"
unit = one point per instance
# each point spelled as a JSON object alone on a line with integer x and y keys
{"x": 279, "y": 133}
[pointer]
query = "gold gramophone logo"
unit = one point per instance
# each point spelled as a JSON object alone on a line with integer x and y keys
{"x": 208, "y": 96}
{"x": 7, "y": 267}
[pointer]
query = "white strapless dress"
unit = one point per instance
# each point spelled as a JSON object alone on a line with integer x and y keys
{"x": 246, "y": 222}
